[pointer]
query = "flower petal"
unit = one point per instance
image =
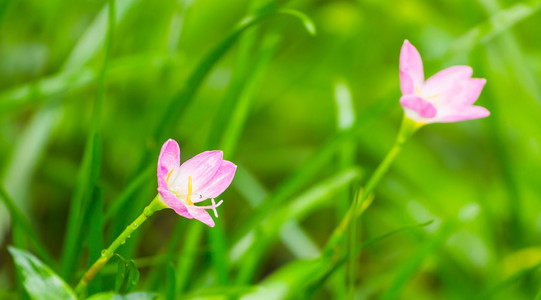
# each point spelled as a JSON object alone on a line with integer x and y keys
{"x": 466, "y": 113}
{"x": 201, "y": 214}
{"x": 201, "y": 168}
{"x": 444, "y": 83}
{"x": 422, "y": 108}
{"x": 169, "y": 159}
{"x": 411, "y": 69}
{"x": 173, "y": 202}
{"x": 472, "y": 90}
{"x": 217, "y": 185}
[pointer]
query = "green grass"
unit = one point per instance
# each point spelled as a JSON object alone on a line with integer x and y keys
{"x": 303, "y": 96}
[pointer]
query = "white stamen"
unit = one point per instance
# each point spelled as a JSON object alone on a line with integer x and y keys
{"x": 214, "y": 205}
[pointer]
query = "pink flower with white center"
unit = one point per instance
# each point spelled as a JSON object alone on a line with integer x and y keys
{"x": 204, "y": 176}
{"x": 447, "y": 96}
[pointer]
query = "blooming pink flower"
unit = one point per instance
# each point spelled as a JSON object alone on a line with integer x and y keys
{"x": 204, "y": 176}
{"x": 445, "y": 97}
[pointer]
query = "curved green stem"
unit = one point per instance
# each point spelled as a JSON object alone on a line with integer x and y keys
{"x": 407, "y": 129}
{"x": 106, "y": 254}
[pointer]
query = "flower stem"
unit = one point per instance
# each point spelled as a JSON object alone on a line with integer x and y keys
{"x": 407, "y": 129}
{"x": 106, "y": 254}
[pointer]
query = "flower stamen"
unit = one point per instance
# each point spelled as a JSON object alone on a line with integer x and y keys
{"x": 213, "y": 206}
{"x": 188, "y": 198}
{"x": 169, "y": 175}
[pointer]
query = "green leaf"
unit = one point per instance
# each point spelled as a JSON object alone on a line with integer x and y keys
{"x": 298, "y": 207}
{"x": 94, "y": 235}
{"x": 20, "y": 220}
{"x": 308, "y": 23}
{"x": 132, "y": 296}
{"x": 306, "y": 276}
{"x": 127, "y": 275}
{"x": 171, "y": 290}
{"x": 39, "y": 280}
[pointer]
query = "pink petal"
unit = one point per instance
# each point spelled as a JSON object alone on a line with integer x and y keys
{"x": 419, "y": 105}
{"x": 202, "y": 215}
{"x": 411, "y": 69}
{"x": 217, "y": 185}
{"x": 173, "y": 202}
{"x": 169, "y": 158}
{"x": 472, "y": 90}
{"x": 467, "y": 113}
{"x": 444, "y": 83}
{"x": 201, "y": 168}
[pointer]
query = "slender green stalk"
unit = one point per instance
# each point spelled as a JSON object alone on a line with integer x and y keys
{"x": 407, "y": 129}
{"x": 106, "y": 254}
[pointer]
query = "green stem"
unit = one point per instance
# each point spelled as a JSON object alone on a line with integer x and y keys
{"x": 407, "y": 129}
{"x": 106, "y": 254}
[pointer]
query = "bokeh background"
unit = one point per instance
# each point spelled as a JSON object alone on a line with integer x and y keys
{"x": 307, "y": 105}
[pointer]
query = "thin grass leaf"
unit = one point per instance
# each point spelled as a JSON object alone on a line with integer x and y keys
{"x": 306, "y": 21}
{"x": 345, "y": 118}
{"x": 90, "y": 168}
{"x": 86, "y": 180}
{"x": 94, "y": 237}
{"x": 230, "y": 140}
{"x": 188, "y": 255}
{"x": 171, "y": 113}
{"x": 171, "y": 288}
{"x": 48, "y": 88}
{"x": 309, "y": 169}
{"x": 19, "y": 219}
{"x": 218, "y": 292}
{"x": 97, "y": 34}
{"x": 26, "y": 155}
{"x": 491, "y": 292}
{"x": 132, "y": 296}
{"x": 301, "y": 278}
{"x": 408, "y": 269}
{"x": 300, "y": 206}
{"x": 129, "y": 191}
{"x": 292, "y": 235}
{"x": 510, "y": 47}
{"x": 234, "y": 128}
{"x": 313, "y": 287}
{"x": 496, "y": 25}
{"x": 86, "y": 48}
{"x": 178, "y": 104}
{"x": 156, "y": 277}
{"x": 499, "y": 140}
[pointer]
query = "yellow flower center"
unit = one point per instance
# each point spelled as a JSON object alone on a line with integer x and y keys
{"x": 418, "y": 93}
{"x": 188, "y": 198}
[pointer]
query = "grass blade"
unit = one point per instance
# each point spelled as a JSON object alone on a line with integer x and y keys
{"x": 90, "y": 169}
{"x": 407, "y": 270}
{"x": 28, "y": 150}
{"x": 310, "y": 200}
{"x": 19, "y": 219}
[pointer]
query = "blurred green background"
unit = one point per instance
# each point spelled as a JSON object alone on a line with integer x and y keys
{"x": 306, "y": 117}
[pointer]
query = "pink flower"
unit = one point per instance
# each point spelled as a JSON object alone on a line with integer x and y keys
{"x": 445, "y": 97}
{"x": 204, "y": 176}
